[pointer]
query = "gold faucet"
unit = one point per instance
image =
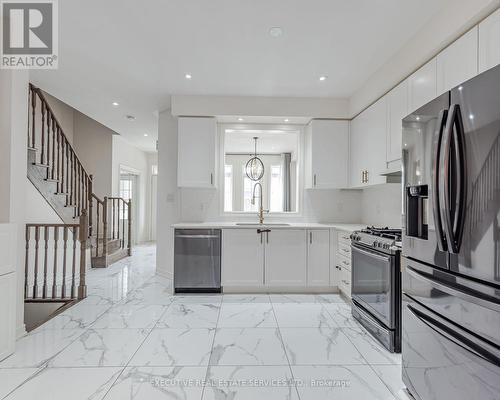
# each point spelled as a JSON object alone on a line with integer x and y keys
{"x": 261, "y": 209}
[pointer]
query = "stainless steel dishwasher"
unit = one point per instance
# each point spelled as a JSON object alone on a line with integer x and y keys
{"x": 197, "y": 260}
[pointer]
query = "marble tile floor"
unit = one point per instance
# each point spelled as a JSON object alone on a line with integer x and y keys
{"x": 132, "y": 339}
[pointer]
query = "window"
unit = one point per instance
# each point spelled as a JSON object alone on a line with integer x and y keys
{"x": 126, "y": 189}
{"x": 276, "y": 200}
{"x": 248, "y": 185}
{"x": 228, "y": 188}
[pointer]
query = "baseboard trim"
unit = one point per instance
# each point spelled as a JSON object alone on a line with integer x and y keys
{"x": 165, "y": 274}
{"x": 281, "y": 289}
{"x": 21, "y": 331}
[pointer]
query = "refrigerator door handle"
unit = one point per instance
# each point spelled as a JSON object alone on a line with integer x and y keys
{"x": 461, "y": 175}
{"x": 456, "y": 335}
{"x": 458, "y": 291}
{"x": 453, "y": 139}
{"x": 435, "y": 184}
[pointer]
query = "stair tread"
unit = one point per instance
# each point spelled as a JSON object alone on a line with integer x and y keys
{"x": 41, "y": 165}
{"x": 51, "y": 180}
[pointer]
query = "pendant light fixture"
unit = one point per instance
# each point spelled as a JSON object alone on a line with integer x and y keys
{"x": 254, "y": 168}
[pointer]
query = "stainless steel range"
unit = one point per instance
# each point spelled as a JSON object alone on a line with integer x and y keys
{"x": 376, "y": 283}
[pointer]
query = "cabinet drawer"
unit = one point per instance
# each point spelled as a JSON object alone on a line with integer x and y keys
{"x": 345, "y": 282}
{"x": 343, "y": 261}
{"x": 344, "y": 250}
{"x": 344, "y": 237}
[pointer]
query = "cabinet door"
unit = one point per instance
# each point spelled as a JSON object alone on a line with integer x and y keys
{"x": 397, "y": 109}
{"x": 374, "y": 151}
{"x": 458, "y": 62}
{"x": 422, "y": 86}
{"x": 196, "y": 152}
{"x": 328, "y": 145}
{"x": 242, "y": 257}
{"x": 7, "y": 314}
{"x": 318, "y": 257}
{"x": 489, "y": 42}
{"x": 356, "y": 151}
{"x": 285, "y": 257}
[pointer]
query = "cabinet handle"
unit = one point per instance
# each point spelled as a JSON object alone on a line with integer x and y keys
{"x": 366, "y": 176}
{"x": 310, "y": 237}
{"x": 211, "y": 179}
{"x": 259, "y": 233}
{"x": 267, "y": 237}
{"x": 314, "y": 179}
{"x": 362, "y": 176}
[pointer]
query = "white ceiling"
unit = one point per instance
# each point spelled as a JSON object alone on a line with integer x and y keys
{"x": 137, "y": 52}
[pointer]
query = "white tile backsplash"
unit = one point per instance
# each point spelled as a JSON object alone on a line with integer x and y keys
{"x": 382, "y": 205}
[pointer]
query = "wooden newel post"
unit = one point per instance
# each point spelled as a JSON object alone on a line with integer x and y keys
{"x": 104, "y": 226}
{"x": 91, "y": 206}
{"x": 83, "y": 235}
{"x": 129, "y": 238}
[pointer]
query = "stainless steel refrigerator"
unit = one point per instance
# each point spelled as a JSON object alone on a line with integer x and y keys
{"x": 451, "y": 244}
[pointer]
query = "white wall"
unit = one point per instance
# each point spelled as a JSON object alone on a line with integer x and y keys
{"x": 93, "y": 144}
{"x": 382, "y": 205}
{"x": 260, "y": 106}
{"x": 131, "y": 158}
{"x": 38, "y": 211}
{"x": 168, "y": 199}
{"x": 13, "y": 169}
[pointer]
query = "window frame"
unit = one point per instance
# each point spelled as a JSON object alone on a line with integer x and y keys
{"x": 299, "y": 129}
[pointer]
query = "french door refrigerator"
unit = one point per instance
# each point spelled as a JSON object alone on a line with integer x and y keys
{"x": 451, "y": 244}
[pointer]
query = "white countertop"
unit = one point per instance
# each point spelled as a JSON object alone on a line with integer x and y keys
{"x": 290, "y": 225}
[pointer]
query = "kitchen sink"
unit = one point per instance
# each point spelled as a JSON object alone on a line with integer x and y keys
{"x": 263, "y": 225}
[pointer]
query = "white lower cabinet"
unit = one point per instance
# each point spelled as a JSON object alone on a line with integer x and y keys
{"x": 285, "y": 257}
{"x": 242, "y": 258}
{"x": 294, "y": 258}
{"x": 7, "y": 314}
{"x": 318, "y": 257}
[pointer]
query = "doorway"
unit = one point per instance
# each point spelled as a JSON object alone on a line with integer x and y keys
{"x": 129, "y": 191}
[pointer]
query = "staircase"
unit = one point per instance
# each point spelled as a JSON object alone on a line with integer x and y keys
{"x": 99, "y": 227}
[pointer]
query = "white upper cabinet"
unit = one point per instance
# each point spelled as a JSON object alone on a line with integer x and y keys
{"x": 327, "y": 151}
{"x": 458, "y": 62}
{"x": 397, "y": 109}
{"x": 318, "y": 257}
{"x": 197, "y": 149}
{"x": 489, "y": 42}
{"x": 368, "y": 145}
{"x": 422, "y": 86}
{"x": 285, "y": 256}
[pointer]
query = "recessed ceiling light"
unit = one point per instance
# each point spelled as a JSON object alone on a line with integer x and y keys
{"x": 471, "y": 116}
{"x": 323, "y": 78}
{"x": 188, "y": 76}
{"x": 460, "y": 88}
{"x": 240, "y": 119}
{"x": 130, "y": 117}
{"x": 145, "y": 134}
{"x": 418, "y": 118}
{"x": 115, "y": 104}
{"x": 286, "y": 120}
{"x": 276, "y": 31}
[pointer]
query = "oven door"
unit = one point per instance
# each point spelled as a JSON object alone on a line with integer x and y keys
{"x": 373, "y": 283}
